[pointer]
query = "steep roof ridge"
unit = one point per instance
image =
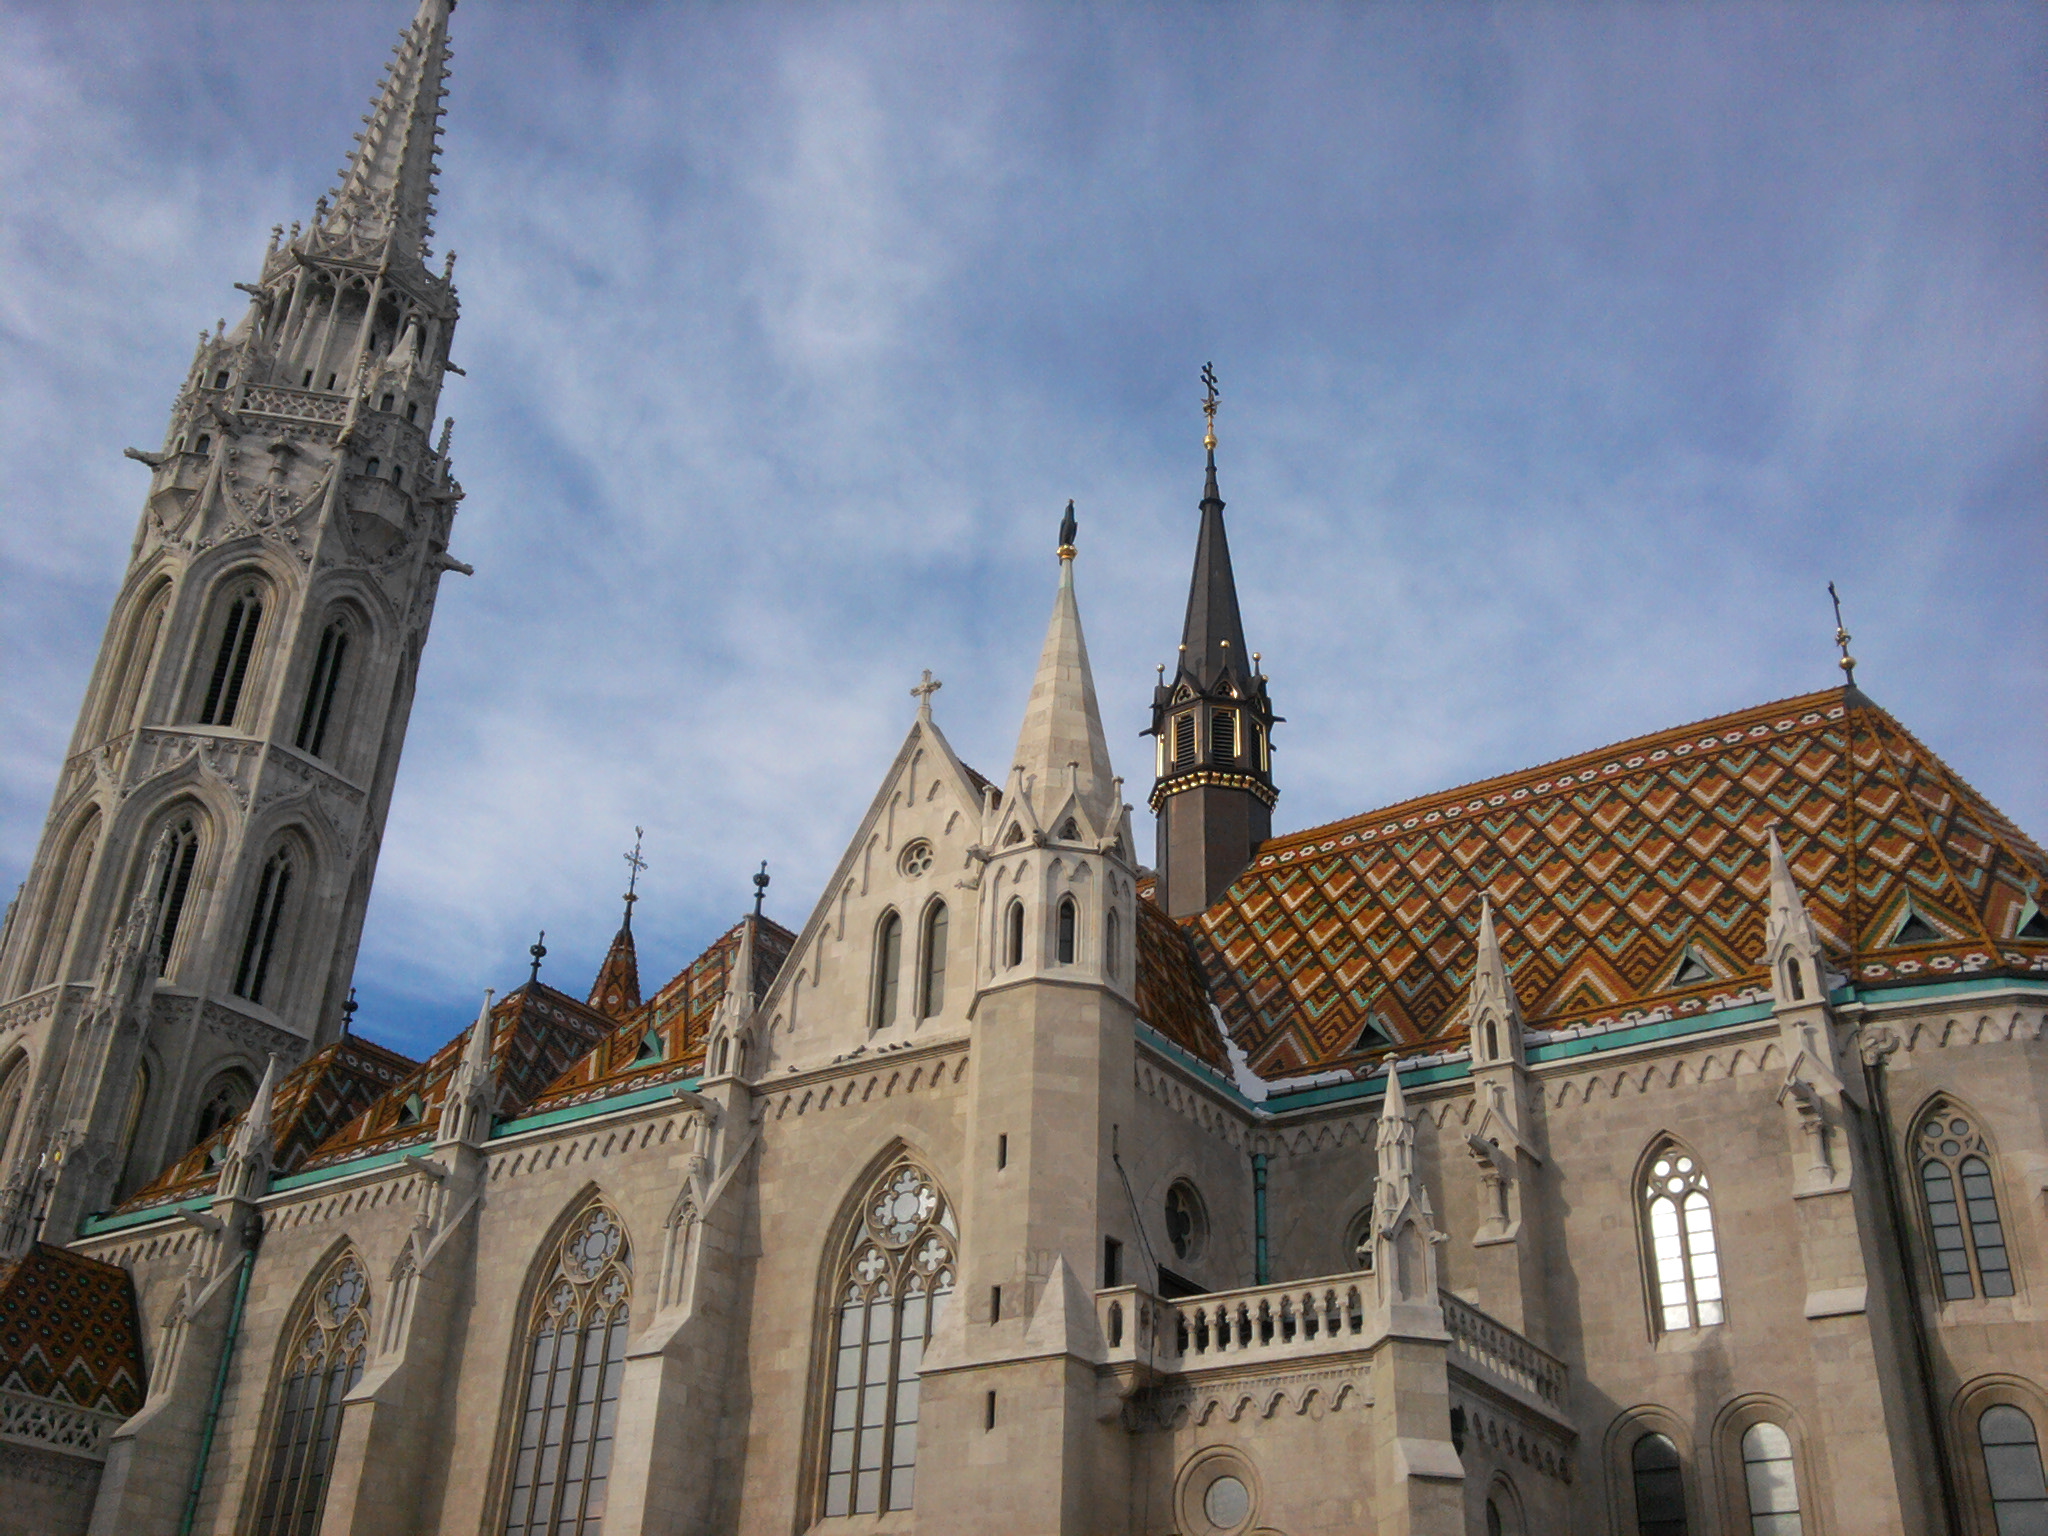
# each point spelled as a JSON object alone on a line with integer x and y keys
{"x": 2007, "y": 832}
{"x": 1212, "y": 635}
{"x": 386, "y": 190}
{"x": 1576, "y": 760}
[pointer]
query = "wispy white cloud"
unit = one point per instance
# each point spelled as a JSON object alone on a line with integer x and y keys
{"x": 1567, "y": 354}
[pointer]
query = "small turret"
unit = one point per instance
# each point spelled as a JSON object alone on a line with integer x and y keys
{"x": 1493, "y": 1015}
{"x": 245, "y": 1168}
{"x": 473, "y": 1088}
{"x": 1792, "y": 947}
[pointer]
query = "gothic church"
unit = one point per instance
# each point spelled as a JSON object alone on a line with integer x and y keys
{"x": 1650, "y": 1143}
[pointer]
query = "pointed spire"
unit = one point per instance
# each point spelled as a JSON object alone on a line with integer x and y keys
{"x": 1212, "y": 637}
{"x": 472, "y": 1089}
{"x": 1062, "y": 724}
{"x": 386, "y": 191}
{"x": 1494, "y": 1017}
{"x": 1792, "y": 947}
{"x": 616, "y": 991}
{"x": 245, "y": 1168}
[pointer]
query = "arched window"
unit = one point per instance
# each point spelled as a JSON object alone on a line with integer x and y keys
{"x": 259, "y": 945}
{"x": 1187, "y": 1222}
{"x": 1358, "y": 1239}
{"x": 244, "y": 616}
{"x": 1659, "y": 1486}
{"x": 326, "y": 1360}
{"x": 1679, "y": 1225}
{"x": 132, "y": 1170}
{"x": 60, "y": 915}
{"x": 1969, "y": 1239}
{"x": 321, "y": 683}
{"x": 2012, "y": 1470}
{"x": 1013, "y": 934}
{"x": 138, "y": 656}
{"x": 888, "y": 968}
{"x": 226, "y": 1098}
{"x": 13, "y": 1089}
{"x": 1068, "y": 920}
{"x": 1112, "y": 943}
{"x": 173, "y": 884}
{"x": 1795, "y": 978}
{"x": 575, "y": 1359}
{"x": 931, "y": 986}
{"x": 896, "y": 1274}
{"x": 1770, "y": 1481}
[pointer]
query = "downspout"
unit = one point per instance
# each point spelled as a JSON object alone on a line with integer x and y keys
{"x": 1923, "y": 1353}
{"x": 1262, "y": 1268}
{"x": 220, "y": 1387}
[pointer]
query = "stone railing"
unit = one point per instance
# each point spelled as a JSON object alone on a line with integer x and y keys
{"x": 298, "y": 404}
{"x": 1493, "y": 1351}
{"x": 31, "y": 1420}
{"x": 1297, "y": 1320}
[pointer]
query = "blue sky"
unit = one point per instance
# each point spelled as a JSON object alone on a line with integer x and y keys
{"x": 1567, "y": 354}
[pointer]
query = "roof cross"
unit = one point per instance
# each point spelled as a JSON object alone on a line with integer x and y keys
{"x": 1848, "y": 662}
{"x": 924, "y": 690}
{"x": 634, "y": 864}
{"x": 1209, "y": 403}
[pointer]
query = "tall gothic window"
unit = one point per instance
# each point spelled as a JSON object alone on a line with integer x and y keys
{"x": 1112, "y": 943}
{"x": 1069, "y": 920}
{"x": 172, "y": 886}
{"x": 1183, "y": 739}
{"x": 259, "y": 945}
{"x": 1679, "y": 1224}
{"x": 1013, "y": 934}
{"x": 1770, "y": 1481}
{"x": 897, "y": 1273}
{"x": 318, "y": 707}
{"x": 1962, "y": 1204}
{"x": 225, "y": 1098}
{"x": 888, "y": 968}
{"x": 61, "y": 915}
{"x": 575, "y": 1359}
{"x": 124, "y": 697}
{"x": 1223, "y": 734}
{"x": 13, "y": 1089}
{"x": 931, "y": 986}
{"x": 1659, "y": 1480}
{"x": 326, "y": 1360}
{"x": 231, "y": 658}
{"x": 2012, "y": 1469}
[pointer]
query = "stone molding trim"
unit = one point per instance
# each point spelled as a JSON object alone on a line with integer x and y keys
{"x": 841, "y": 1090}
{"x": 1183, "y": 1093}
{"x": 582, "y": 1144}
{"x": 1510, "y": 1436}
{"x": 1230, "y": 1397}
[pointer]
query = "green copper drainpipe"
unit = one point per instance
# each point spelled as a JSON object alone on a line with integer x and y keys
{"x": 1262, "y": 1267}
{"x": 220, "y": 1387}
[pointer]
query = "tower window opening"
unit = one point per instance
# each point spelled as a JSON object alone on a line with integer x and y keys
{"x": 172, "y": 886}
{"x": 1013, "y": 938}
{"x": 320, "y": 687}
{"x": 412, "y": 410}
{"x": 373, "y": 467}
{"x": 307, "y": 381}
{"x": 387, "y": 402}
{"x": 231, "y": 661}
{"x": 1112, "y": 1263}
{"x": 1183, "y": 739}
{"x": 1264, "y": 751}
{"x": 1223, "y": 735}
{"x": 888, "y": 962}
{"x": 331, "y": 378}
{"x": 1067, "y": 923}
{"x": 397, "y": 475}
{"x": 1492, "y": 1040}
{"x": 220, "y": 380}
{"x": 1112, "y": 943}
{"x": 931, "y": 990}
{"x": 1795, "y": 979}
{"x": 260, "y": 944}
{"x": 226, "y": 1098}
{"x": 205, "y": 443}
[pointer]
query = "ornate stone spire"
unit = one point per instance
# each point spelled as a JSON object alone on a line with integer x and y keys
{"x": 1494, "y": 1017}
{"x": 386, "y": 191}
{"x": 1405, "y": 1235}
{"x": 1792, "y": 947}
{"x": 245, "y": 1168}
{"x": 1061, "y": 746}
{"x": 473, "y": 1087}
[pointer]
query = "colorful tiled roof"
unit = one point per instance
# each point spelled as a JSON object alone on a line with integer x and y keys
{"x": 68, "y": 1331}
{"x": 617, "y": 988}
{"x": 666, "y": 1035}
{"x": 1632, "y": 872}
{"x": 1173, "y": 994}
{"x": 316, "y": 1098}
{"x": 537, "y": 1034}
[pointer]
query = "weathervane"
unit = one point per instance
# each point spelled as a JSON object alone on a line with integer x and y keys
{"x": 761, "y": 878}
{"x": 1848, "y": 662}
{"x": 634, "y": 864}
{"x": 922, "y": 692}
{"x": 1069, "y": 531}
{"x": 348, "y": 1011}
{"x": 539, "y": 950}
{"x": 1209, "y": 403}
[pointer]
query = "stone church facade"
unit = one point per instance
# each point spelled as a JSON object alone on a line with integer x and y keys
{"x": 1646, "y": 1143}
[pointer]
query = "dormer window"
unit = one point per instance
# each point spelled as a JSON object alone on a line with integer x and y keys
{"x": 1915, "y": 929}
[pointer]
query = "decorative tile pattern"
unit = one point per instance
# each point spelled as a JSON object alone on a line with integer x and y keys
{"x": 1609, "y": 869}
{"x": 1173, "y": 994}
{"x": 68, "y": 1331}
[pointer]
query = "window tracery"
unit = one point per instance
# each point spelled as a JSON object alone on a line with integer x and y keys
{"x": 317, "y": 710}
{"x": 575, "y": 1360}
{"x": 259, "y": 944}
{"x": 225, "y": 1098}
{"x": 897, "y": 1274}
{"x": 1961, "y": 1202}
{"x": 1678, "y": 1220}
{"x": 173, "y": 885}
{"x": 244, "y": 616}
{"x": 326, "y": 1360}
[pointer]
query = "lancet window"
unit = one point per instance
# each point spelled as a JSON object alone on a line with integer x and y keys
{"x": 1069, "y": 921}
{"x": 125, "y": 696}
{"x": 318, "y": 708}
{"x": 231, "y": 658}
{"x": 259, "y": 945}
{"x": 575, "y": 1359}
{"x": 897, "y": 1272}
{"x": 931, "y": 986}
{"x": 173, "y": 884}
{"x": 1962, "y": 1205}
{"x": 1013, "y": 934}
{"x": 226, "y": 1097}
{"x": 1112, "y": 943}
{"x": 61, "y": 914}
{"x": 13, "y": 1089}
{"x": 888, "y": 968}
{"x": 326, "y": 1360}
{"x": 1678, "y": 1220}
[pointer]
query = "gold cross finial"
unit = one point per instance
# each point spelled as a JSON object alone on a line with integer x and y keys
{"x": 1210, "y": 401}
{"x": 923, "y": 691}
{"x": 634, "y": 863}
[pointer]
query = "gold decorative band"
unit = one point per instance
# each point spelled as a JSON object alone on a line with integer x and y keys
{"x": 1208, "y": 778}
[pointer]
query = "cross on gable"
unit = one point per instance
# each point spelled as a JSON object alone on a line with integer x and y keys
{"x": 924, "y": 690}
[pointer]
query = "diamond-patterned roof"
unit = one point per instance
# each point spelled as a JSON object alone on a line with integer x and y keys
{"x": 68, "y": 1331}
{"x": 1635, "y": 871}
{"x": 1173, "y": 996}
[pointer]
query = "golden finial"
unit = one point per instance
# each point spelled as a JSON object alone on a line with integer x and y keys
{"x": 1848, "y": 662}
{"x": 1209, "y": 403}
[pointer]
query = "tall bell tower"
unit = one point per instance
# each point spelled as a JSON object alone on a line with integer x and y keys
{"x": 197, "y": 897}
{"x": 1213, "y": 726}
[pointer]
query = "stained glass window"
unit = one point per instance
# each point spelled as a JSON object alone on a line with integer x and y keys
{"x": 1680, "y": 1218}
{"x": 326, "y": 1360}
{"x": 575, "y": 1359}
{"x": 1962, "y": 1206}
{"x": 897, "y": 1274}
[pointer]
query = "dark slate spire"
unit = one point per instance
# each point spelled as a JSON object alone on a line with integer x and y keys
{"x": 1214, "y": 790}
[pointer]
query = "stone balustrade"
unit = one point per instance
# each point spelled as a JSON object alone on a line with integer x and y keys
{"x": 1491, "y": 1350}
{"x": 1294, "y": 1321}
{"x": 43, "y": 1421}
{"x": 296, "y": 404}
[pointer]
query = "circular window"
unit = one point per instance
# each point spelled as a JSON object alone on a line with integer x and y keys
{"x": 1228, "y": 1503}
{"x": 1217, "y": 1493}
{"x": 917, "y": 859}
{"x": 1187, "y": 1225}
